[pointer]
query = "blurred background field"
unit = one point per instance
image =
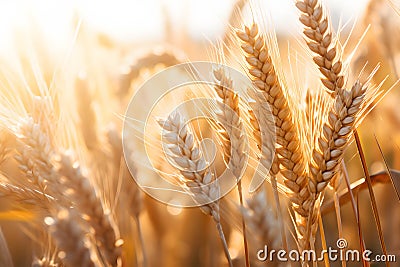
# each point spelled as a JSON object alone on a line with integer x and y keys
{"x": 97, "y": 53}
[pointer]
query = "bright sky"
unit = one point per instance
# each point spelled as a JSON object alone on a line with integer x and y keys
{"x": 139, "y": 20}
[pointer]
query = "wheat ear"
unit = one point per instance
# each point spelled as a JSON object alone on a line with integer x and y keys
{"x": 262, "y": 224}
{"x": 150, "y": 60}
{"x": 264, "y": 76}
{"x": 335, "y": 136}
{"x": 260, "y": 117}
{"x": 25, "y": 195}
{"x": 328, "y": 154}
{"x": 34, "y": 154}
{"x": 342, "y": 118}
{"x": 74, "y": 246}
{"x": 184, "y": 151}
{"x": 87, "y": 201}
{"x": 131, "y": 198}
{"x": 232, "y": 136}
{"x": 319, "y": 40}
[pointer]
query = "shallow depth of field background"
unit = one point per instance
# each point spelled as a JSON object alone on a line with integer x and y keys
{"x": 125, "y": 30}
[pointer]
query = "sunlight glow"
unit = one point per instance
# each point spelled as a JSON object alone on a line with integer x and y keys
{"x": 138, "y": 21}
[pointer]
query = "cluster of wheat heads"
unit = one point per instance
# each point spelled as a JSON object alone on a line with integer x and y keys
{"x": 309, "y": 146}
{"x": 306, "y": 175}
{"x": 71, "y": 186}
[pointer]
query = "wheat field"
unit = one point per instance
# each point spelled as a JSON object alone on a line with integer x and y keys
{"x": 251, "y": 148}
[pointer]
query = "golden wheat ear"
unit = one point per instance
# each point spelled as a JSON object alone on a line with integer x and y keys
{"x": 263, "y": 73}
{"x": 197, "y": 177}
{"x": 232, "y": 136}
{"x": 75, "y": 249}
{"x": 85, "y": 196}
{"x": 320, "y": 41}
{"x": 263, "y": 226}
{"x": 290, "y": 159}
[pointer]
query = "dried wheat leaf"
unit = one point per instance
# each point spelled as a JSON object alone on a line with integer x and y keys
{"x": 359, "y": 185}
{"x": 394, "y": 175}
{"x": 371, "y": 194}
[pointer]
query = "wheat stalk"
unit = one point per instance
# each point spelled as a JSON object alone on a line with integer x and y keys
{"x": 5, "y": 259}
{"x": 86, "y": 112}
{"x": 260, "y": 116}
{"x": 130, "y": 198}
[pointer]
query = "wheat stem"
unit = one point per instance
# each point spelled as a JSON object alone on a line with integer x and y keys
{"x": 224, "y": 244}
{"x": 371, "y": 194}
{"x": 5, "y": 259}
{"x": 141, "y": 241}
